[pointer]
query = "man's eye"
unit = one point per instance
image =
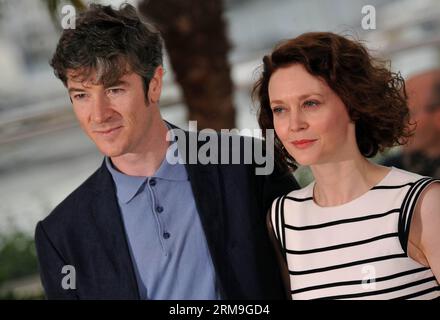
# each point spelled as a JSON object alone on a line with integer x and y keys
{"x": 114, "y": 91}
{"x": 79, "y": 96}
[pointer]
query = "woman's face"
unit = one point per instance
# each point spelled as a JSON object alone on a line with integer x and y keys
{"x": 309, "y": 118}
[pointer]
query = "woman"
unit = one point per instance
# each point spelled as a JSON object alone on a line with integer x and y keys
{"x": 360, "y": 230}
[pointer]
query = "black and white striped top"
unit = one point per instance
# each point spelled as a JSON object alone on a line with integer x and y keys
{"x": 357, "y": 250}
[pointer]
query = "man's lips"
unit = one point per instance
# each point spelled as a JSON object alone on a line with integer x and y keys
{"x": 304, "y": 143}
{"x": 107, "y": 131}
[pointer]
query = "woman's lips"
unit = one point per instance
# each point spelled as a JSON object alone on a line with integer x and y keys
{"x": 303, "y": 144}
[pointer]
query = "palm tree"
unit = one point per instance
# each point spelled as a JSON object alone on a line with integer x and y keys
{"x": 195, "y": 37}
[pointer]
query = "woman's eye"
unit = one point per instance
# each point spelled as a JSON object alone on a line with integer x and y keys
{"x": 277, "y": 109}
{"x": 311, "y": 103}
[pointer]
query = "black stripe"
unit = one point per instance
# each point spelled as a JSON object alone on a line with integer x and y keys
{"x": 345, "y": 265}
{"x": 355, "y": 282}
{"x": 277, "y": 224}
{"x": 343, "y": 245}
{"x": 393, "y": 187}
{"x": 405, "y": 214}
{"x": 283, "y": 226}
{"x": 409, "y": 195}
{"x": 409, "y": 213}
{"x": 414, "y": 198}
{"x": 332, "y": 223}
{"x": 277, "y": 215}
{"x": 373, "y": 293}
{"x": 413, "y": 205}
{"x": 420, "y": 293}
{"x": 299, "y": 199}
{"x": 404, "y": 205}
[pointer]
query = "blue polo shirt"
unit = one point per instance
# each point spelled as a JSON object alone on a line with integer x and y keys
{"x": 167, "y": 243}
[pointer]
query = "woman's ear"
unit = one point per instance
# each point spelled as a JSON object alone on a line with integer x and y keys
{"x": 155, "y": 86}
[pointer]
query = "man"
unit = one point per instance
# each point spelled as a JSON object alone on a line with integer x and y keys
{"x": 141, "y": 227}
{"x": 422, "y": 153}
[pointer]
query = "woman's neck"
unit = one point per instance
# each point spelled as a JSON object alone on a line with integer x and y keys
{"x": 340, "y": 182}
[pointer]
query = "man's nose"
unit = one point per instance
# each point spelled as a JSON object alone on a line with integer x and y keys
{"x": 101, "y": 109}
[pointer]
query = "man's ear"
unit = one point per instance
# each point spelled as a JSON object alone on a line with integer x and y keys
{"x": 155, "y": 86}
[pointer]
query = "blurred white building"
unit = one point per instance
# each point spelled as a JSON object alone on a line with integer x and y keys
{"x": 409, "y": 34}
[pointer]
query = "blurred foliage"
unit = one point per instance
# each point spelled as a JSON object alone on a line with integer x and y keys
{"x": 13, "y": 296}
{"x": 303, "y": 176}
{"x": 18, "y": 259}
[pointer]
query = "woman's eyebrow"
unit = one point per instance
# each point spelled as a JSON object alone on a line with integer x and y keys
{"x": 301, "y": 97}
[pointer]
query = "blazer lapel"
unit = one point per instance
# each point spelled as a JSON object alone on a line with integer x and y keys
{"x": 111, "y": 231}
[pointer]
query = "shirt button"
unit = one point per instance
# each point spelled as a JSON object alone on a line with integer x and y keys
{"x": 166, "y": 235}
{"x": 153, "y": 182}
{"x": 159, "y": 209}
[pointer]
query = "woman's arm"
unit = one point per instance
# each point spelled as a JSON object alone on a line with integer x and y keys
{"x": 424, "y": 237}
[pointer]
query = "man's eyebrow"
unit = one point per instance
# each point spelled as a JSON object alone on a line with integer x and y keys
{"x": 73, "y": 89}
{"x": 117, "y": 83}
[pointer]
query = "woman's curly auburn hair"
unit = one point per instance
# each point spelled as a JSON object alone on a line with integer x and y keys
{"x": 374, "y": 96}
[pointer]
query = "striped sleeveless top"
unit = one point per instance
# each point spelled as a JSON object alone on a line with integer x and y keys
{"x": 357, "y": 250}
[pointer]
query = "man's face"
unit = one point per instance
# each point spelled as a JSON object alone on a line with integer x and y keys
{"x": 118, "y": 117}
{"x": 419, "y": 90}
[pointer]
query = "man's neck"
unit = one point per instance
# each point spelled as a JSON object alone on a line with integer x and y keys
{"x": 147, "y": 161}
